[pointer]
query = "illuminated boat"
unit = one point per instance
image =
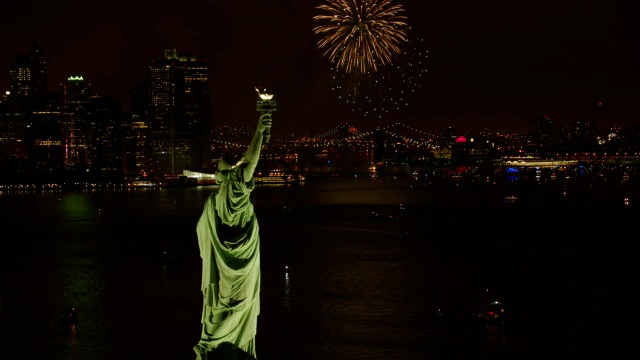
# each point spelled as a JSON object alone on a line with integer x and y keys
{"x": 143, "y": 184}
{"x": 277, "y": 176}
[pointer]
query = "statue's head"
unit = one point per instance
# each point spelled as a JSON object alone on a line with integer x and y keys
{"x": 225, "y": 163}
{"x": 228, "y": 160}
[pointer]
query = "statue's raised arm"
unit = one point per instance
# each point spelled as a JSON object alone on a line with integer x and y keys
{"x": 252, "y": 155}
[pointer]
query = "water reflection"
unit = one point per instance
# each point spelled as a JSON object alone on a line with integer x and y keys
{"x": 286, "y": 287}
{"x": 360, "y": 286}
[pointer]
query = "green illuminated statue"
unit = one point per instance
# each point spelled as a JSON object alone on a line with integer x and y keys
{"x": 229, "y": 240}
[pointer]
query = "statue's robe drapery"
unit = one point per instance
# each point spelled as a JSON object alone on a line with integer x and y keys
{"x": 230, "y": 250}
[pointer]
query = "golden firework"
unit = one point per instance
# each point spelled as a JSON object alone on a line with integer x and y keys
{"x": 361, "y": 35}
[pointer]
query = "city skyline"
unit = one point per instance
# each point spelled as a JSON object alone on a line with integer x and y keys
{"x": 490, "y": 65}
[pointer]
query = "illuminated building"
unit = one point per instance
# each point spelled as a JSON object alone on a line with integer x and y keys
{"x": 106, "y": 146}
{"x": 75, "y": 123}
{"x": 178, "y": 114}
{"x": 28, "y": 74}
{"x": 30, "y": 125}
{"x": 45, "y": 135}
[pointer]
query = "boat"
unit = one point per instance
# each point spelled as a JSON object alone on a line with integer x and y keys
{"x": 143, "y": 184}
{"x": 277, "y": 176}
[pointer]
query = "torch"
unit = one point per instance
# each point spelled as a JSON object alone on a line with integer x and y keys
{"x": 265, "y": 104}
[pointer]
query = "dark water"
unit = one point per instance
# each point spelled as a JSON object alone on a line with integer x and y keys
{"x": 377, "y": 271}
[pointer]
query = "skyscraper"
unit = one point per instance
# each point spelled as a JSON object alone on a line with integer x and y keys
{"x": 28, "y": 74}
{"x": 137, "y": 163}
{"x": 30, "y": 122}
{"x": 76, "y": 124}
{"x": 178, "y": 114}
{"x": 107, "y": 133}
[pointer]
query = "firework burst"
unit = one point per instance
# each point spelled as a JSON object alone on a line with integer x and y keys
{"x": 361, "y": 35}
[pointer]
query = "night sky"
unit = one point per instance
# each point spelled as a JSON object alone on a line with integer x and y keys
{"x": 491, "y": 64}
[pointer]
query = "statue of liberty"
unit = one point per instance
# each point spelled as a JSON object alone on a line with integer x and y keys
{"x": 229, "y": 240}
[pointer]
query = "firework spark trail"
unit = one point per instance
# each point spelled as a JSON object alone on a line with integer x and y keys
{"x": 388, "y": 91}
{"x": 361, "y": 35}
